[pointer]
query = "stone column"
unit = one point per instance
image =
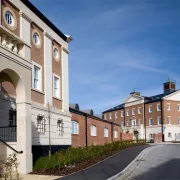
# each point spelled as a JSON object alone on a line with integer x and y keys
{"x": 65, "y": 80}
{"x": 24, "y": 137}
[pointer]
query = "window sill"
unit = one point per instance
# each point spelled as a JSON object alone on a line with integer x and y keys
{"x": 93, "y": 135}
{"x": 75, "y": 134}
{"x": 57, "y": 98}
{"x": 36, "y": 90}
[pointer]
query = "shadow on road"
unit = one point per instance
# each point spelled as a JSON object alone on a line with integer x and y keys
{"x": 169, "y": 170}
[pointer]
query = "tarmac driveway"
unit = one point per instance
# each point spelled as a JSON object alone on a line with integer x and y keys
{"x": 161, "y": 162}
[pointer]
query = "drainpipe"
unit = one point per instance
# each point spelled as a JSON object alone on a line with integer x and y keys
{"x": 86, "y": 125}
{"x": 112, "y": 132}
{"x": 145, "y": 120}
{"x": 162, "y": 121}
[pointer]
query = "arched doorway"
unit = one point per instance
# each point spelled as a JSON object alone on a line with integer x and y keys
{"x": 15, "y": 89}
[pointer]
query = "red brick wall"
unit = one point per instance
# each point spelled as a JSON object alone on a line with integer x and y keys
{"x": 99, "y": 139}
{"x": 157, "y": 138}
{"x": 126, "y": 136}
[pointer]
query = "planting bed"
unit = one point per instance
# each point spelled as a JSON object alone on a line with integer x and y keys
{"x": 76, "y": 159}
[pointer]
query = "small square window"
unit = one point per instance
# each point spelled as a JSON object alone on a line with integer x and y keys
{"x": 150, "y": 122}
{"x": 159, "y": 120}
{"x": 110, "y": 116}
{"x": 133, "y": 111}
{"x": 169, "y": 135}
{"x": 178, "y": 107}
{"x": 178, "y": 120}
{"x": 169, "y": 120}
{"x": 139, "y": 110}
{"x": 150, "y": 109}
{"x": 168, "y": 107}
{"x": 158, "y": 107}
{"x": 116, "y": 115}
{"x": 56, "y": 87}
{"x": 122, "y": 113}
{"x": 127, "y": 113}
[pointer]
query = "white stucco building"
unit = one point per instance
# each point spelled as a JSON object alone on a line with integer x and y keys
{"x": 33, "y": 84}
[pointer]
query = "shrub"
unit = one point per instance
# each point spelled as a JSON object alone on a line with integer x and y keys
{"x": 73, "y": 156}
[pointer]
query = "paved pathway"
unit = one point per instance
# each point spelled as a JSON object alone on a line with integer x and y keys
{"x": 161, "y": 162}
{"x": 107, "y": 168}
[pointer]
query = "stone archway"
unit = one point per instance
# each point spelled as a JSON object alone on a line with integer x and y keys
{"x": 21, "y": 79}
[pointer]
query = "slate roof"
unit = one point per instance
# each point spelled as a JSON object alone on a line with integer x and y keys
{"x": 149, "y": 100}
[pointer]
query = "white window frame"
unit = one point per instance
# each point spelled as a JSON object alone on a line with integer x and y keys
{"x": 178, "y": 120}
{"x": 150, "y": 108}
{"x": 140, "y": 122}
{"x": 60, "y": 127}
{"x": 150, "y": 120}
{"x": 133, "y": 122}
{"x": 59, "y": 86}
{"x": 139, "y": 110}
{"x": 40, "y": 76}
{"x": 169, "y": 134}
{"x": 158, "y": 107}
{"x": 116, "y": 115}
{"x": 133, "y": 111}
{"x": 169, "y": 118}
{"x": 110, "y": 116}
{"x": 127, "y": 112}
{"x": 75, "y": 127}
{"x": 122, "y": 113}
{"x": 93, "y": 130}
{"x": 115, "y": 134}
{"x": 168, "y": 106}
{"x": 41, "y": 124}
{"x": 159, "y": 122}
{"x": 106, "y": 132}
{"x": 178, "y": 107}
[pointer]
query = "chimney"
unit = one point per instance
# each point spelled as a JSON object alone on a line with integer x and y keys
{"x": 169, "y": 86}
{"x": 135, "y": 93}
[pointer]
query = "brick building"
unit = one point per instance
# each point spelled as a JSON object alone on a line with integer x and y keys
{"x": 156, "y": 117}
{"x": 88, "y": 129}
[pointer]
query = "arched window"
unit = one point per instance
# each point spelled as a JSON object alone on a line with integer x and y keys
{"x": 93, "y": 130}
{"x": 75, "y": 127}
{"x": 105, "y": 132}
{"x": 115, "y": 134}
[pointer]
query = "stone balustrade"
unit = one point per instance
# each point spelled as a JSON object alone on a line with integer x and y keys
{"x": 13, "y": 43}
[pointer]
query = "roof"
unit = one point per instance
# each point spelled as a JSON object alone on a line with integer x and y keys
{"x": 88, "y": 111}
{"x": 74, "y": 106}
{"x": 44, "y": 19}
{"x": 150, "y": 99}
{"x": 118, "y": 107}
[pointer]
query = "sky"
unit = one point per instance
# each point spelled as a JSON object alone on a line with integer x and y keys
{"x": 118, "y": 45}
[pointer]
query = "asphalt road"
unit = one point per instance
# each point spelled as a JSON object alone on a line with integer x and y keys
{"x": 109, "y": 167}
{"x": 162, "y": 162}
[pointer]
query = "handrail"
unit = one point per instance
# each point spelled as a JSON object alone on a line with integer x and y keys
{"x": 18, "y": 152}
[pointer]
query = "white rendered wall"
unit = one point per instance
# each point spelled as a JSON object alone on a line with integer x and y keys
{"x": 56, "y": 139}
{"x": 152, "y": 130}
{"x": 173, "y": 129}
{"x": 47, "y": 69}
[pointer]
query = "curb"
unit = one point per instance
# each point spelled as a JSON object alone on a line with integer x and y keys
{"x": 142, "y": 153}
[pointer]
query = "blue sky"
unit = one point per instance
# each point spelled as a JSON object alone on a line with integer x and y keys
{"x": 118, "y": 45}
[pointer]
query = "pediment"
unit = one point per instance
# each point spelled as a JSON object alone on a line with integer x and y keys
{"x": 133, "y": 98}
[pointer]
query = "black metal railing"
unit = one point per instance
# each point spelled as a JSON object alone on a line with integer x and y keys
{"x": 8, "y": 133}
